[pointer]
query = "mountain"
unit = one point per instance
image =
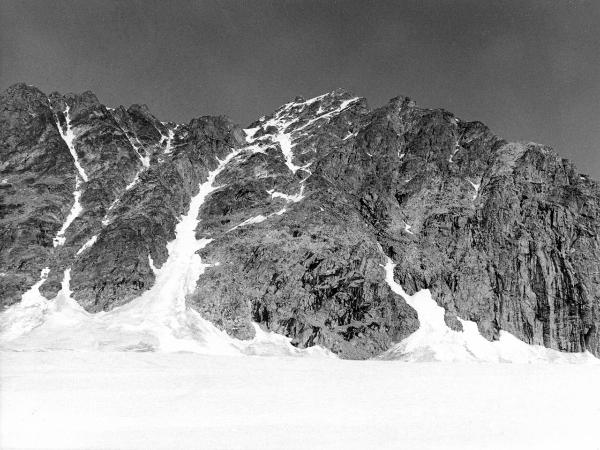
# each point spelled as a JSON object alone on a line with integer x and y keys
{"x": 335, "y": 225}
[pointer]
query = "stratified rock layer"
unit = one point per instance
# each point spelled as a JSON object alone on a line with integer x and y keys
{"x": 503, "y": 234}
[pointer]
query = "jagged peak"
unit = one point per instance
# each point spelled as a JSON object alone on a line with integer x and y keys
{"x": 340, "y": 93}
{"x": 21, "y": 86}
{"x": 300, "y": 109}
{"x": 24, "y": 92}
{"x": 402, "y": 101}
{"x": 137, "y": 107}
{"x": 210, "y": 121}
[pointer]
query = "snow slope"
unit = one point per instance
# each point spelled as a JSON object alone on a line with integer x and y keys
{"x": 182, "y": 400}
{"x": 435, "y": 341}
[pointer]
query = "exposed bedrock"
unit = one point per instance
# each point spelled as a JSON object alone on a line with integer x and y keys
{"x": 503, "y": 234}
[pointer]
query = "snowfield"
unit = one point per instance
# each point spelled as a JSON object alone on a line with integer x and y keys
{"x": 185, "y": 401}
{"x": 154, "y": 374}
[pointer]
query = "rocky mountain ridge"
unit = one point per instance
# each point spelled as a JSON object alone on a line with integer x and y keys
{"x": 319, "y": 194}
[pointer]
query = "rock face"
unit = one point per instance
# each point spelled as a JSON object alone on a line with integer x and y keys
{"x": 503, "y": 234}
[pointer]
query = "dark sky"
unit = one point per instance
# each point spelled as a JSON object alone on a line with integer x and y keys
{"x": 529, "y": 69}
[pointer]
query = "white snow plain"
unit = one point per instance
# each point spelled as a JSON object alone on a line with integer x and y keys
{"x": 122, "y": 400}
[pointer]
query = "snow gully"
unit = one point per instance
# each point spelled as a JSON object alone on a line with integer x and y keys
{"x": 69, "y": 137}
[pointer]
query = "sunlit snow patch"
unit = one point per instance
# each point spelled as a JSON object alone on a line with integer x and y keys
{"x": 169, "y": 142}
{"x": 135, "y": 180}
{"x": 155, "y": 270}
{"x": 435, "y": 341}
{"x": 250, "y": 132}
{"x": 476, "y": 186}
{"x": 90, "y": 243}
{"x": 130, "y": 186}
{"x": 288, "y": 198}
{"x": 285, "y": 143}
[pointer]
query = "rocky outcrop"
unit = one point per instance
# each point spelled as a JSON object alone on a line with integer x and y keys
{"x": 140, "y": 175}
{"x": 503, "y": 234}
{"x": 36, "y": 186}
{"x": 141, "y": 222}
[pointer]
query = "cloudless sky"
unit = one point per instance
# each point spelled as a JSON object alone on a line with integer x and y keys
{"x": 530, "y": 70}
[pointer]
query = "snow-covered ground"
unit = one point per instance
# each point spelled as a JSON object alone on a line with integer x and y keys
{"x": 185, "y": 400}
